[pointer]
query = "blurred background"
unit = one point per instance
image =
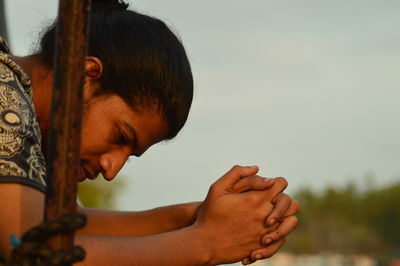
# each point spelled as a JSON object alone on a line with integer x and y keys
{"x": 309, "y": 90}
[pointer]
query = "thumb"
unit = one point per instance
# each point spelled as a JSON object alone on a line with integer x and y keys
{"x": 228, "y": 181}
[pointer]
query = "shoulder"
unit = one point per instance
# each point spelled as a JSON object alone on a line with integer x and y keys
{"x": 16, "y": 107}
{"x": 21, "y": 157}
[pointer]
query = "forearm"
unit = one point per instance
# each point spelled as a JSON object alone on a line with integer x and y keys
{"x": 181, "y": 247}
{"x": 142, "y": 223}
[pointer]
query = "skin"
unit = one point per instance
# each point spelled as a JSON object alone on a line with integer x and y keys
{"x": 126, "y": 133}
{"x": 204, "y": 233}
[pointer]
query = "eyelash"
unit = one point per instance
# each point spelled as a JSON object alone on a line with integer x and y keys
{"x": 122, "y": 139}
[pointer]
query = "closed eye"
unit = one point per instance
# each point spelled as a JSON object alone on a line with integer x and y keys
{"x": 122, "y": 139}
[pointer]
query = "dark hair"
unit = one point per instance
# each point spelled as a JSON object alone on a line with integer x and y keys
{"x": 143, "y": 61}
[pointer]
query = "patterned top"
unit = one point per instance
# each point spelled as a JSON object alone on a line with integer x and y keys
{"x": 21, "y": 157}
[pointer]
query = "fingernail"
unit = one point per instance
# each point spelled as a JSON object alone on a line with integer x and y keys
{"x": 268, "y": 241}
{"x": 268, "y": 180}
{"x": 272, "y": 221}
{"x": 257, "y": 256}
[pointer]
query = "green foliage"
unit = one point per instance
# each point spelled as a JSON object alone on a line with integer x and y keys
{"x": 348, "y": 221}
{"x": 384, "y": 213}
{"x": 99, "y": 193}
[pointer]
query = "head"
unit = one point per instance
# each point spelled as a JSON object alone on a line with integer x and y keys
{"x": 137, "y": 68}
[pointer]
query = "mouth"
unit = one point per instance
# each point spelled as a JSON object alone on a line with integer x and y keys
{"x": 84, "y": 174}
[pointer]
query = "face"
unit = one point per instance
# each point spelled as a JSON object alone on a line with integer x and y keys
{"x": 111, "y": 132}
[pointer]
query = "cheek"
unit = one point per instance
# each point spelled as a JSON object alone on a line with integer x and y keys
{"x": 92, "y": 142}
{"x": 95, "y": 132}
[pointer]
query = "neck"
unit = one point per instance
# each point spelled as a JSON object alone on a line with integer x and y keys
{"x": 41, "y": 78}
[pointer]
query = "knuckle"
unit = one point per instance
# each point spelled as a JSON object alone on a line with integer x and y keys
{"x": 213, "y": 187}
{"x": 285, "y": 201}
{"x": 246, "y": 261}
{"x": 275, "y": 226}
{"x": 277, "y": 198}
{"x": 274, "y": 236}
{"x": 260, "y": 217}
{"x": 236, "y": 167}
{"x": 253, "y": 182}
{"x": 282, "y": 181}
{"x": 264, "y": 253}
{"x": 285, "y": 197}
{"x": 247, "y": 182}
{"x": 256, "y": 199}
{"x": 297, "y": 206}
{"x": 253, "y": 199}
{"x": 267, "y": 255}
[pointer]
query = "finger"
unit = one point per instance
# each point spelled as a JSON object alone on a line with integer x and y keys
{"x": 293, "y": 209}
{"x": 267, "y": 252}
{"x": 279, "y": 185}
{"x": 288, "y": 224}
{"x": 271, "y": 228}
{"x": 253, "y": 182}
{"x": 247, "y": 261}
{"x": 227, "y": 181}
{"x": 282, "y": 203}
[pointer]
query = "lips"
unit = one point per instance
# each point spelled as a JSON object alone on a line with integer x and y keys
{"x": 82, "y": 174}
{"x": 86, "y": 174}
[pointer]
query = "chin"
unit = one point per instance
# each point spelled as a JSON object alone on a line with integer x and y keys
{"x": 82, "y": 175}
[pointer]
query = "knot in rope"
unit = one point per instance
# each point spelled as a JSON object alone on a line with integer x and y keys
{"x": 34, "y": 251}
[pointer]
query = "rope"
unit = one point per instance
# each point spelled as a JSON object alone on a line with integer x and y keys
{"x": 33, "y": 251}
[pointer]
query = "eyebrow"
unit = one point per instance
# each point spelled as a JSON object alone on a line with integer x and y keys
{"x": 132, "y": 132}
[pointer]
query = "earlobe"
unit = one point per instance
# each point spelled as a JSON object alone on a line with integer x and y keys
{"x": 93, "y": 67}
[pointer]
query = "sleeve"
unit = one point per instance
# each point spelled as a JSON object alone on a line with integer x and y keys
{"x": 21, "y": 157}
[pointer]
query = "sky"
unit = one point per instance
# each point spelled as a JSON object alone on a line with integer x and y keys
{"x": 308, "y": 90}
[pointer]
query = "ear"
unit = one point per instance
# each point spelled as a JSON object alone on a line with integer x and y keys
{"x": 93, "y": 72}
{"x": 93, "y": 67}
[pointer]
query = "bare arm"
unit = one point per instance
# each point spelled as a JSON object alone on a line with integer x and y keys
{"x": 158, "y": 220}
{"x": 22, "y": 208}
{"x": 228, "y": 227}
{"x": 154, "y": 221}
{"x": 181, "y": 247}
{"x": 141, "y": 223}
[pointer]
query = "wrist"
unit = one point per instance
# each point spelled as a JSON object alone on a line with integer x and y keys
{"x": 184, "y": 215}
{"x": 191, "y": 212}
{"x": 204, "y": 245}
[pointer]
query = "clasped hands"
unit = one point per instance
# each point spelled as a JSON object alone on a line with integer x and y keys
{"x": 246, "y": 217}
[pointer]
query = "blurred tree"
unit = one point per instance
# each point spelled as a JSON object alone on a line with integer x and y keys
{"x": 347, "y": 221}
{"x": 383, "y": 214}
{"x": 100, "y": 193}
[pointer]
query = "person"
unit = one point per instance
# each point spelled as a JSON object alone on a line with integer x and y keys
{"x": 138, "y": 92}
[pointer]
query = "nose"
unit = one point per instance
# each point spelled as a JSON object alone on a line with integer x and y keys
{"x": 111, "y": 162}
